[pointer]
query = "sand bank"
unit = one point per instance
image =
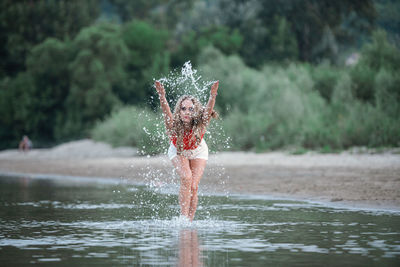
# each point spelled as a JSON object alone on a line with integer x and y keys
{"x": 359, "y": 180}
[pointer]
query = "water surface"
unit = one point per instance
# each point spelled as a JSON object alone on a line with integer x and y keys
{"x": 105, "y": 222}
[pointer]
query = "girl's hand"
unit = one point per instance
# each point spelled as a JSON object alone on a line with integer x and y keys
{"x": 214, "y": 89}
{"x": 160, "y": 89}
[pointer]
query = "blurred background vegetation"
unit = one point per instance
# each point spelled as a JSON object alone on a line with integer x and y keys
{"x": 305, "y": 73}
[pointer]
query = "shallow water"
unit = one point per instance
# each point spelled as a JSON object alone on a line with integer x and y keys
{"x": 72, "y": 221}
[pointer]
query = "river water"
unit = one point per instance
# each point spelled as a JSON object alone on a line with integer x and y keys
{"x": 67, "y": 222}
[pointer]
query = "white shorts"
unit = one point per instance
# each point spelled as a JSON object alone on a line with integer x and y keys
{"x": 200, "y": 152}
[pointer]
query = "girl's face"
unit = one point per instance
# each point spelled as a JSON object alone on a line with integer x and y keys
{"x": 186, "y": 111}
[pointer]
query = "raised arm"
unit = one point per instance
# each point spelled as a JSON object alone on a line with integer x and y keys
{"x": 211, "y": 102}
{"x": 167, "y": 114}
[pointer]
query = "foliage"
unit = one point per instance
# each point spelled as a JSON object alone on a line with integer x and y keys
{"x": 48, "y": 67}
{"x": 76, "y": 82}
{"x": 361, "y": 124}
{"x": 388, "y": 17}
{"x": 363, "y": 82}
{"x": 279, "y": 107}
{"x": 307, "y": 30}
{"x": 62, "y": 70}
{"x": 387, "y": 92}
{"x": 226, "y": 40}
{"x": 283, "y": 44}
{"x": 325, "y": 77}
{"x": 67, "y": 85}
{"x": 133, "y": 126}
{"x": 264, "y": 109}
{"x": 33, "y": 100}
{"x": 375, "y": 56}
{"x": 99, "y": 61}
{"x": 318, "y": 24}
{"x": 233, "y": 87}
{"x": 148, "y": 58}
{"x": 17, "y": 104}
{"x": 24, "y": 24}
{"x": 163, "y": 13}
{"x": 380, "y": 53}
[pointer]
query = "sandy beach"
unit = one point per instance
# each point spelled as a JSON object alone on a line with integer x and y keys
{"x": 352, "y": 179}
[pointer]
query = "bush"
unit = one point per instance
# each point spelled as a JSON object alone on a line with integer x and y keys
{"x": 356, "y": 123}
{"x": 365, "y": 125}
{"x": 133, "y": 126}
{"x": 325, "y": 78}
{"x": 237, "y": 80}
{"x": 375, "y": 56}
{"x": 279, "y": 107}
{"x": 380, "y": 53}
{"x": 363, "y": 82}
{"x": 387, "y": 92}
{"x": 266, "y": 109}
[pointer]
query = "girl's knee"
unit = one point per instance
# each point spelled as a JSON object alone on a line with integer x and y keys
{"x": 186, "y": 181}
{"x": 194, "y": 189}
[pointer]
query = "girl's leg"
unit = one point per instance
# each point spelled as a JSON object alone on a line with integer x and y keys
{"x": 182, "y": 167}
{"x": 197, "y": 168}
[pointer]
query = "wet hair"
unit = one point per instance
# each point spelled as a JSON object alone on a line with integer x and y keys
{"x": 197, "y": 124}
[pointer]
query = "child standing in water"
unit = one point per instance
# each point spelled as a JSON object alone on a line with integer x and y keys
{"x": 188, "y": 150}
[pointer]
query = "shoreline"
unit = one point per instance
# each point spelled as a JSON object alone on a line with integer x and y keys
{"x": 347, "y": 205}
{"x": 353, "y": 180}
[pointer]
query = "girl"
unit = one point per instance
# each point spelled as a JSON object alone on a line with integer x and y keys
{"x": 188, "y": 150}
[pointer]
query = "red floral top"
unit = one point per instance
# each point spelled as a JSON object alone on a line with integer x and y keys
{"x": 189, "y": 143}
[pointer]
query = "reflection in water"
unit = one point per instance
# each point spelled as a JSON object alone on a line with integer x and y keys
{"x": 189, "y": 251}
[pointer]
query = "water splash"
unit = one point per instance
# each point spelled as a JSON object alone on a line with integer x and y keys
{"x": 186, "y": 82}
{"x": 158, "y": 172}
{"x": 188, "y": 73}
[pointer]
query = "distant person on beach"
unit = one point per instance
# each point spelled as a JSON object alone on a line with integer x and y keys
{"x": 188, "y": 150}
{"x": 25, "y": 144}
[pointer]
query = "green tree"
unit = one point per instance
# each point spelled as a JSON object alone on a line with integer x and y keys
{"x": 25, "y": 23}
{"x": 283, "y": 44}
{"x": 318, "y": 25}
{"x": 99, "y": 61}
{"x": 387, "y": 92}
{"x": 319, "y": 28}
{"x": 147, "y": 58}
{"x": 34, "y": 99}
{"x": 380, "y": 53}
{"x": 388, "y": 18}
{"x": 164, "y": 13}
{"x": 376, "y": 55}
{"x": 18, "y": 110}
{"x": 325, "y": 78}
{"x": 47, "y": 64}
{"x": 192, "y": 43}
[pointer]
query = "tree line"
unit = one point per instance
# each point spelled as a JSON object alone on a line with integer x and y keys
{"x": 68, "y": 64}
